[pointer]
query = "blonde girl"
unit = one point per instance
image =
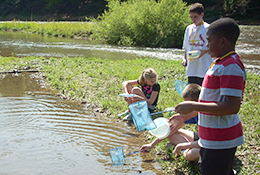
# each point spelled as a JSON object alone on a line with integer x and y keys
{"x": 149, "y": 90}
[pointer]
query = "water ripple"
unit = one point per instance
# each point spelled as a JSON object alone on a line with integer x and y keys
{"x": 42, "y": 134}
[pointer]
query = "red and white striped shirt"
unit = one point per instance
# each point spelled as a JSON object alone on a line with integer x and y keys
{"x": 225, "y": 78}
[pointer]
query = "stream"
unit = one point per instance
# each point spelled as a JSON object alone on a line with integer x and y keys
{"x": 22, "y": 44}
{"x": 44, "y": 134}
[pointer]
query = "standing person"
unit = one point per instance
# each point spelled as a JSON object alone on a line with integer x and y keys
{"x": 220, "y": 129}
{"x": 149, "y": 91}
{"x": 183, "y": 139}
{"x": 195, "y": 39}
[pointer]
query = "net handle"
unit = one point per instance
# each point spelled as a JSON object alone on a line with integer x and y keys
{"x": 163, "y": 111}
{"x": 135, "y": 152}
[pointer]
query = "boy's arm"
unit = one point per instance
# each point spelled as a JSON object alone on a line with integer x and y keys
{"x": 151, "y": 145}
{"x": 231, "y": 105}
{"x": 186, "y": 145}
{"x": 184, "y": 60}
{"x": 178, "y": 120}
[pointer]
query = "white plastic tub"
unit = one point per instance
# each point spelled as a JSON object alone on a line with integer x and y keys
{"x": 162, "y": 129}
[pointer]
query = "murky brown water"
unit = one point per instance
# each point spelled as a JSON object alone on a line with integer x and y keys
{"x": 43, "y": 134}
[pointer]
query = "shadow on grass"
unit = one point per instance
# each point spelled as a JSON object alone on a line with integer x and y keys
{"x": 237, "y": 165}
{"x": 188, "y": 168}
{"x": 180, "y": 166}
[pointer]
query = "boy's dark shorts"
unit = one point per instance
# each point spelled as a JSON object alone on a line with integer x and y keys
{"x": 217, "y": 161}
{"x": 196, "y": 80}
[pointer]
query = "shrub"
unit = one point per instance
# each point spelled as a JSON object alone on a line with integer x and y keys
{"x": 143, "y": 23}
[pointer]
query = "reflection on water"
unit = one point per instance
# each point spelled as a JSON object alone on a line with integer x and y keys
{"x": 28, "y": 44}
{"x": 42, "y": 134}
{"x": 248, "y": 47}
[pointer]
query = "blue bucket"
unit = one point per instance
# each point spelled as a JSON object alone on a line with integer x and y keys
{"x": 141, "y": 116}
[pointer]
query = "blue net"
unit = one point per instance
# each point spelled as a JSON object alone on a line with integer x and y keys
{"x": 180, "y": 85}
{"x": 117, "y": 156}
{"x": 141, "y": 116}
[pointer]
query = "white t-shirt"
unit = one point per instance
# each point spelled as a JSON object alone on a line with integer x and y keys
{"x": 199, "y": 66}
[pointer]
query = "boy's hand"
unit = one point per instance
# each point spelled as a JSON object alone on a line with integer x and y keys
{"x": 177, "y": 149}
{"x": 177, "y": 122}
{"x": 146, "y": 147}
{"x": 184, "y": 107}
{"x": 184, "y": 62}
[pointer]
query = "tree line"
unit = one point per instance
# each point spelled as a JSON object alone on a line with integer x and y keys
{"x": 50, "y": 9}
{"x": 80, "y": 9}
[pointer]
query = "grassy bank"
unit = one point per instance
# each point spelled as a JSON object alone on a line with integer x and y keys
{"x": 57, "y": 29}
{"x": 98, "y": 82}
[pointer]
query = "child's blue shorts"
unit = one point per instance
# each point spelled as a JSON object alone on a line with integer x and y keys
{"x": 193, "y": 120}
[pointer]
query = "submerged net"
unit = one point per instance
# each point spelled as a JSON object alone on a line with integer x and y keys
{"x": 117, "y": 156}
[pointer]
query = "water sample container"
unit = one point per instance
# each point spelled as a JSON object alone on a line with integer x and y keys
{"x": 163, "y": 128}
{"x": 193, "y": 54}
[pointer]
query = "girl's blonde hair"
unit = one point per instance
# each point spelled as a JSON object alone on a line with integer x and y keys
{"x": 147, "y": 74}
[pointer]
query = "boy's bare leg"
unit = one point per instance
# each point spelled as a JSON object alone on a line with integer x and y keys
{"x": 177, "y": 138}
{"x": 189, "y": 135}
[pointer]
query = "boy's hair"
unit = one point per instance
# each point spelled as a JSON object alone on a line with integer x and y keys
{"x": 146, "y": 75}
{"x": 197, "y": 8}
{"x": 225, "y": 27}
{"x": 191, "y": 91}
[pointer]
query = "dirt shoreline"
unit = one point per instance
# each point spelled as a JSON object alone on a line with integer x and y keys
{"x": 40, "y": 78}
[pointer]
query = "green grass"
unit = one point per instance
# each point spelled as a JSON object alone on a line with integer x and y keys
{"x": 99, "y": 81}
{"x": 58, "y": 29}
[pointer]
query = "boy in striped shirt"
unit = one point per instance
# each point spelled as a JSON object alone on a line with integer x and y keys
{"x": 220, "y": 129}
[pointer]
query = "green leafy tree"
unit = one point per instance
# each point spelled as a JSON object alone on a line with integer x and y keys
{"x": 235, "y": 6}
{"x": 7, "y": 7}
{"x": 55, "y": 9}
{"x": 74, "y": 7}
{"x": 147, "y": 23}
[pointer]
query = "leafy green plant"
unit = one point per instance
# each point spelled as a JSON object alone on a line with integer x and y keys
{"x": 143, "y": 23}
